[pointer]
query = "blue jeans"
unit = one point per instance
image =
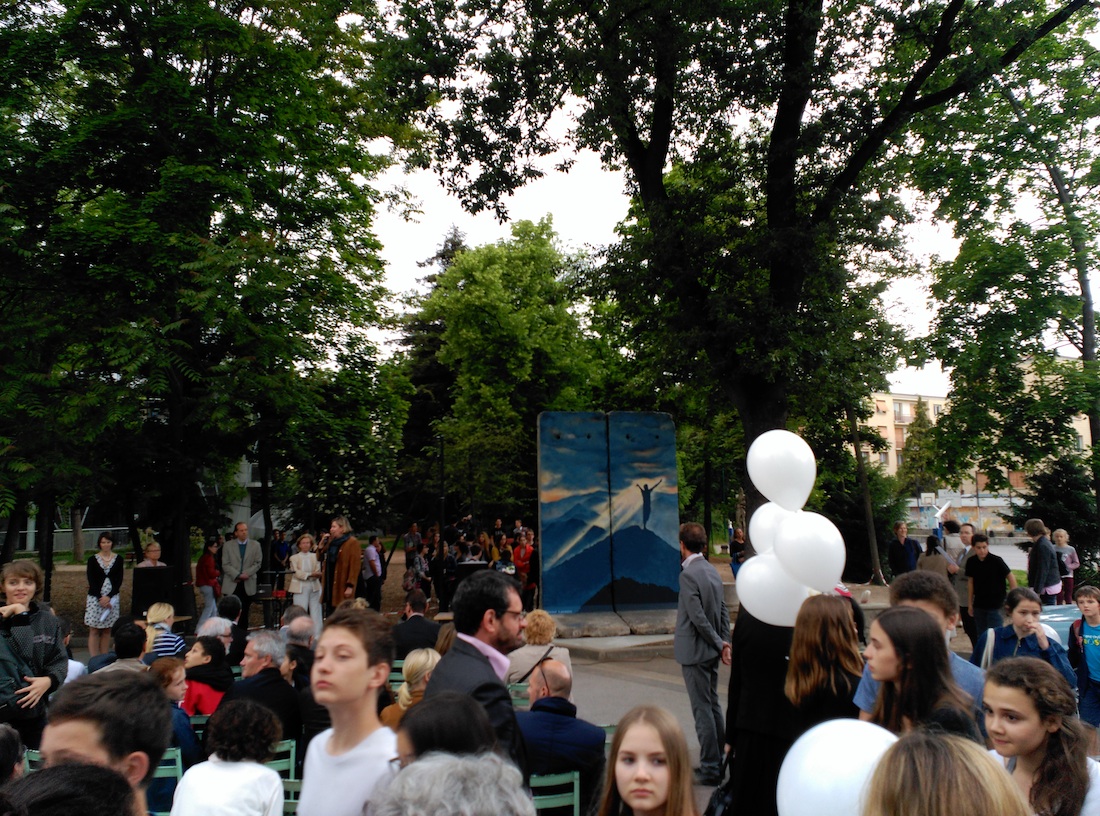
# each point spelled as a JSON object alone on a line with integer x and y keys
{"x": 987, "y": 619}
{"x": 1089, "y": 704}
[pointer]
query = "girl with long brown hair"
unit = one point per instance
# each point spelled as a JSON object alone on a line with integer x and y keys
{"x": 649, "y": 772}
{"x": 825, "y": 664}
{"x": 1031, "y": 718}
{"x": 906, "y": 652}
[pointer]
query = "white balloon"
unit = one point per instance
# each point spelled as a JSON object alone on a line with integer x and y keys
{"x": 827, "y": 770}
{"x": 782, "y": 467}
{"x": 764, "y": 524}
{"x": 811, "y": 550}
{"x": 768, "y": 592}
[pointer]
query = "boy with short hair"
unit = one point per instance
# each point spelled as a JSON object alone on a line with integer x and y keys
{"x": 985, "y": 579}
{"x": 935, "y": 595}
{"x": 1084, "y": 652}
{"x": 120, "y": 720}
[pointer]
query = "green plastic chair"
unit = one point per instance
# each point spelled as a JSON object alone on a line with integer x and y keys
{"x": 562, "y": 790}
{"x": 283, "y": 755}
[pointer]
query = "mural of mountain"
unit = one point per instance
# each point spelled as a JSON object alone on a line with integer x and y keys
{"x": 584, "y": 580}
{"x": 608, "y": 510}
{"x": 569, "y": 585}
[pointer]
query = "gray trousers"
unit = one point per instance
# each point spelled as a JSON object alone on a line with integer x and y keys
{"x": 701, "y": 680}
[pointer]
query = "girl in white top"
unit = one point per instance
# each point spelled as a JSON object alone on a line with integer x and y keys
{"x": 305, "y": 580}
{"x": 233, "y": 782}
{"x": 1031, "y": 718}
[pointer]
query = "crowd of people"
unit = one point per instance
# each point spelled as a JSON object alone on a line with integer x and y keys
{"x": 1008, "y": 731}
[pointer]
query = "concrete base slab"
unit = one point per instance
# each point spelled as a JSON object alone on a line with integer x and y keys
{"x": 591, "y": 624}
{"x": 610, "y": 624}
{"x": 650, "y": 621}
{"x": 627, "y": 647}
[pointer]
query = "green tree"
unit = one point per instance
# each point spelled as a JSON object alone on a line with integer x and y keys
{"x": 781, "y": 125}
{"x": 186, "y": 209}
{"x": 1060, "y": 494}
{"x": 417, "y": 488}
{"x": 516, "y": 349}
{"x": 1016, "y": 284}
{"x": 920, "y": 463}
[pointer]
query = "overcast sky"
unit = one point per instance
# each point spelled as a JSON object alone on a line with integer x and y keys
{"x": 586, "y": 204}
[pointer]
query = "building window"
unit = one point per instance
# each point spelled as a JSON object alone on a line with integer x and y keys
{"x": 884, "y": 459}
{"x": 903, "y": 412}
{"x": 866, "y": 455}
{"x": 899, "y": 438}
{"x": 937, "y": 409}
{"x": 1080, "y": 443}
{"x": 880, "y": 406}
{"x": 900, "y": 457}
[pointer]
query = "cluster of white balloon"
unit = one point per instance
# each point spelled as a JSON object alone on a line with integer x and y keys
{"x": 826, "y": 771}
{"x": 797, "y": 551}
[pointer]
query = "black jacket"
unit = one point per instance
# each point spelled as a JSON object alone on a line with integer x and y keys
{"x": 466, "y": 670}
{"x": 416, "y": 633}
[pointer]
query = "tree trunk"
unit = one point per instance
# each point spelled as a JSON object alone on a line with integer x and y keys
{"x": 708, "y": 521}
{"x": 263, "y": 452}
{"x": 76, "y": 516}
{"x": 868, "y": 508}
{"x": 16, "y": 519}
{"x": 46, "y": 513}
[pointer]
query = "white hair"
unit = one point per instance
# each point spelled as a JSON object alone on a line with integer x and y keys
{"x": 215, "y": 627}
{"x": 476, "y": 785}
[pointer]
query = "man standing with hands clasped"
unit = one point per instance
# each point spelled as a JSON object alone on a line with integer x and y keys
{"x": 241, "y": 560}
{"x": 702, "y": 639}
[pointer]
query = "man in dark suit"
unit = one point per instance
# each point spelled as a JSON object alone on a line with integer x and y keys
{"x": 489, "y": 623}
{"x": 416, "y": 631}
{"x": 701, "y": 640}
{"x": 262, "y": 681}
{"x": 556, "y": 740}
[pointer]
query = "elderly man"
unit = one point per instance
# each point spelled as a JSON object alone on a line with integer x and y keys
{"x": 241, "y": 560}
{"x": 489, "y": 622}
{"x": 557, "y": 740}
{"x": 262, "y": 681}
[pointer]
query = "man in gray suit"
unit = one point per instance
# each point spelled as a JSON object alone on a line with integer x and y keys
{"x": 241, "y": 560}
{"x": 702, "y": 639}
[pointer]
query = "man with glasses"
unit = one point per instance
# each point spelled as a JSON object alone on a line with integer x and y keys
{"x": 489, "y": 622}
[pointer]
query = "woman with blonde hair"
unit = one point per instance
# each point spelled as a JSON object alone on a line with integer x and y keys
{"x": 160, "y": 641}
{"x": 649, "y": 770}
{"x": 305, "y": 578}
{"x": 417, "y": 671}
{"x": 538, "y": 637}
{"x": 933, "y": 774}
{"x": 825, "y": 665}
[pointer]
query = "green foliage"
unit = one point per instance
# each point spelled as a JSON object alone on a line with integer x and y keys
{"x": 1061, "y": 495}
{"x": 763, "y": 146}
{"x": 1015, "y": 286}
{"x": 508, "y": 337}
{"x": 185, "y": 203}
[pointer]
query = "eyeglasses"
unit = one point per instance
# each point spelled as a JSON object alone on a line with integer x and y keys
{"x": 521, "y": 614}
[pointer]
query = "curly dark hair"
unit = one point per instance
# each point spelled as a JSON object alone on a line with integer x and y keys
{"x": 243, "y": 730}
